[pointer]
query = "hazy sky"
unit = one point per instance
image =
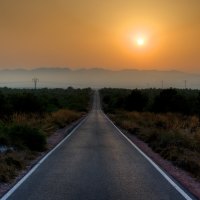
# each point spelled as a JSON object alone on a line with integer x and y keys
{"x": 94, "y": 33}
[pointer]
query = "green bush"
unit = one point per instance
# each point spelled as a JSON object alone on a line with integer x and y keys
{"x": 136, "y": 101}
{"x": 23, "y": 136}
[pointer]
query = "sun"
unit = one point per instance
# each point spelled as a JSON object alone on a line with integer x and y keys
{"x": 140, "y": 41}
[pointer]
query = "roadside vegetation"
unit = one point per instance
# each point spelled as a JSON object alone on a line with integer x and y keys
{"x": 167, "y": 120}
{"x": 29, "y": 117}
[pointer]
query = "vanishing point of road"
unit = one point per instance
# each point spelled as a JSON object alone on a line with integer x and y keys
{"x": 96, "y": 163}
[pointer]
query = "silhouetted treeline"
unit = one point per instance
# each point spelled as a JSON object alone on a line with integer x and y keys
{"x": 42, "y": 100}
{"x": 182, "y": 101}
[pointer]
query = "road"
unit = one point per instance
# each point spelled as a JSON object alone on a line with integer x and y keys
{"x": 95, "y": 163}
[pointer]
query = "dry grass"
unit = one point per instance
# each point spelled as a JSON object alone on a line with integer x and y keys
{"x": 48, "y": 123}
{"x": 32, "y": 120}
{"x": 60, "y": 119}
{"x": 175, "y": 137}
{"x": 12, "y": 162}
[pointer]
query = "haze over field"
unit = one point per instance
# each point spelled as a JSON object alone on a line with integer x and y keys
{"x": 114, "y": 34}
{"x": 98, "y": 78}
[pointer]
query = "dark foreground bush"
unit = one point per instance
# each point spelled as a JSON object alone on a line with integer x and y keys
{"x": 23, "y": 136}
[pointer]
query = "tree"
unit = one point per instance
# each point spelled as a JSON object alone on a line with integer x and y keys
{"x": 136, "y": 101}
{"x": 25, "y": 103}
{"x": 170, "y": 101}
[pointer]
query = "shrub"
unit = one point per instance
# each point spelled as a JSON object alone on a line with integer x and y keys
{"x": 170, "y": 101}
{"x": 136, "y": 101}
{"x": 2, "y": 103}
{"x": 4, "y": 140}
{"x": 26, "y": 103}
{"x": 6, "y": 172}
{"x": 23, "y": 136}
{"x": 190, "y": 162}
{"x": 11, "y": 163}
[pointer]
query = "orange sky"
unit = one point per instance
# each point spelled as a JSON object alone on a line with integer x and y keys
{"x": 93, "y": 33}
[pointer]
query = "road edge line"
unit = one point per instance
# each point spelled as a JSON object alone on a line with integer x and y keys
{"x": 18, "y": 184}
{"x": 178, "y": 188}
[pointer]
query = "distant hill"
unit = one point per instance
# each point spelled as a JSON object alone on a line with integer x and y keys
{"x": 97, "y": 78}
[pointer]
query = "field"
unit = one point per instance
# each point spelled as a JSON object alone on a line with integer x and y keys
{"x": 29, "y": 117}
{"x": 167, "y": 120}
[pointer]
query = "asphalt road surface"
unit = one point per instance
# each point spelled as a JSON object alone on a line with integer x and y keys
{"x": 96, "y": 163}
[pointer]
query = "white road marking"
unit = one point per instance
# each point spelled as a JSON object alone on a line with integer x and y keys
{"x": 12, "y": 190}
{"x": 182, "y": 192}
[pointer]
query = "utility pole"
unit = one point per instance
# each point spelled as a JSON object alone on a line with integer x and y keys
{"x": 35, "y": 80}
{"x": 162, "y": 84}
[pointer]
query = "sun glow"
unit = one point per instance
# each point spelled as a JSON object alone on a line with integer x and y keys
{"x": 140, "y": 41}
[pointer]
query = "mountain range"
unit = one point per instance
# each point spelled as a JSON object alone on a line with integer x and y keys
{"x": 97, "y": 78}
